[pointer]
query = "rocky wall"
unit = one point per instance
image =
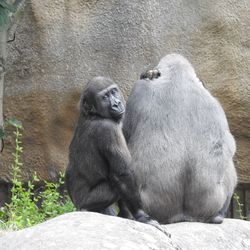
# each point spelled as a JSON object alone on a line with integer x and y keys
{"x": 62, "y": 44}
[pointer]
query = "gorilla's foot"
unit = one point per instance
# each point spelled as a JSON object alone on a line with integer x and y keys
{"x": 108, "y": 211}
{"x": 218, "y": 219}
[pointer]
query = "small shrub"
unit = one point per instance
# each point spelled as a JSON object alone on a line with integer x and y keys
{"x": 239, "y": 205}
{"x": 23, "y": 210}
{"x": 53, "y": 203}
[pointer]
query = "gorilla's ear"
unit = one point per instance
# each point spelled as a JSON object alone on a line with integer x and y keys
{"x": 85, "y": 106}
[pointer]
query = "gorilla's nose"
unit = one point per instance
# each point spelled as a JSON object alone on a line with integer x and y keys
{"x": 115, "y": 103}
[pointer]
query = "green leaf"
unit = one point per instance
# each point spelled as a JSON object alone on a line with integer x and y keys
{"x": 4, "y": 19}
{"x": 7, "y": 6}
{"x": 5, "y": 13}
{"x": 14, "y": 122}
{"x": 2, "y": 134}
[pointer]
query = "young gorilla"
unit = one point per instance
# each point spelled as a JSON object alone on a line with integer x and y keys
{"x": 181, "y": 145}
{"x": 98, "y": 173}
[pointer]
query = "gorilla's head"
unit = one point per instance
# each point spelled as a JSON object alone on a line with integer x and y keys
{"x": 103, "y": 97}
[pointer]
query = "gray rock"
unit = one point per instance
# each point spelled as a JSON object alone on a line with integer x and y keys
{"x": 85, "y": 230}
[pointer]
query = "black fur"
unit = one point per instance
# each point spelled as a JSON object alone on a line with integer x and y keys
{"x": 98, "y": 173}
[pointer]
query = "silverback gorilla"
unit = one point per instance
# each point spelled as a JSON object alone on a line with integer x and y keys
{"x": 98, "y": 173}
{"x": 181, "y": 146}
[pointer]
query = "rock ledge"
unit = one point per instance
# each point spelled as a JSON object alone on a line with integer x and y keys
{"x": 85, "y": 230}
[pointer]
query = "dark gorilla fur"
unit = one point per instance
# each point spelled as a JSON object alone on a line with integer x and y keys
{"x": 98, "y": 173}
{"x": 181, "y": 146}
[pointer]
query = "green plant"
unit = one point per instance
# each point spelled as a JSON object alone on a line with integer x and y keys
{"x": 23, "y": 210}
{"x": 53, "y": 203}
{"x": 5, "y": 12}
{"x": 13, "y": 122}
{"x": 239, "y": 205}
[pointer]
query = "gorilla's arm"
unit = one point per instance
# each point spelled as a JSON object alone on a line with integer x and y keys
{"x": 132, "y": 115}
{"x": 122, "y": 178}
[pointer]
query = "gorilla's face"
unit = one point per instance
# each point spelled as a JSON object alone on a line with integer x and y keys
{"x": 102, "y": 97}
{"x": 109, "y": 103}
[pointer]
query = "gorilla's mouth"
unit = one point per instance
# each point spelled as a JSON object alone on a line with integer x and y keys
{"x": 117, "y": 109}
{"x": 117, "y": 112}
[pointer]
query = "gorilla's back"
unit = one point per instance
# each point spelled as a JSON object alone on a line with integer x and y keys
{"x": 180, "y": 143}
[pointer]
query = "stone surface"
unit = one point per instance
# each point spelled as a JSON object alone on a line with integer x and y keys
{"x": 61, "y": 44}
{"x": 84, "y": 230}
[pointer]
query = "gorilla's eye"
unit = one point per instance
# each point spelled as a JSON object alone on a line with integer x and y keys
{"x": 106, "y": 96}
{"x": 114, "y": 91}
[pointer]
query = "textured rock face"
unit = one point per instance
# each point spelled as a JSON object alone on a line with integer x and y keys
{"x": 82, "y": 230}
{"x": 61, "y": 44}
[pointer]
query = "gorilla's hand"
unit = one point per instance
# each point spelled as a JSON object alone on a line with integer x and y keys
{"x": 141, "y": 216}
{"x": 150, "y": 74}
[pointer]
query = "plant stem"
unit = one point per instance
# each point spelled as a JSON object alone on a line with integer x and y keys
{"x": 3, "y": 42}
{"x": 239, "y": 205}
